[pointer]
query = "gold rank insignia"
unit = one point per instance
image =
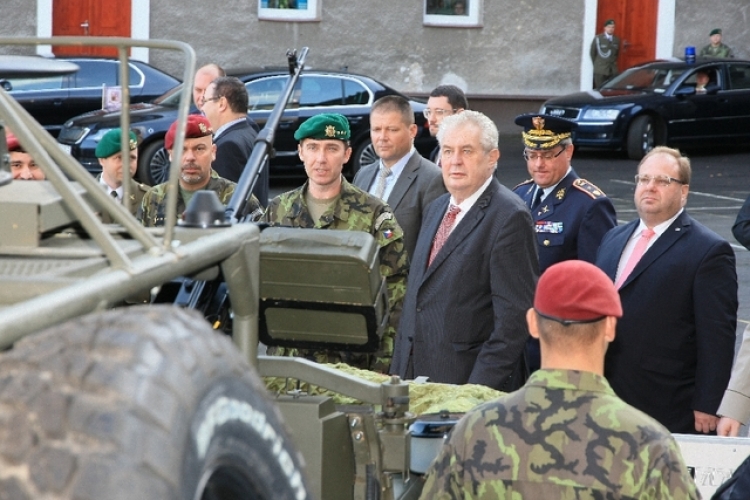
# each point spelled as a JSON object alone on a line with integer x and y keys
{"x": 560, "y": 194}
{"x": 330, "y": 131}
{"x": 588, "y": 188}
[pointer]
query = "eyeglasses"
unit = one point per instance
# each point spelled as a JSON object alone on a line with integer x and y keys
{"x": 544, "y": 156}
{"x": 209, "y": 99}
{"x": 659, "y": 180}
{"x": 438, "y": 112}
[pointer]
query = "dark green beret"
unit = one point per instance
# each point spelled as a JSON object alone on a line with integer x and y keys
{"x": 110, "y": 143}
{"x": 324, "y": 126}
{"x": 609, "y": 22}
{"x": 715, "y": 31}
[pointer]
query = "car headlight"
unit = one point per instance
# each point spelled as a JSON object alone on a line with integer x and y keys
{"x": 600, "y": 114}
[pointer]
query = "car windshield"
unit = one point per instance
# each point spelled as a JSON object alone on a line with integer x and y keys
{"x": 171, "y": 98}
{"x": 652, "y": 79}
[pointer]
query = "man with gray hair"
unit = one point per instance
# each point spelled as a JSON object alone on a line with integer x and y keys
{"x": 473, "y": 271}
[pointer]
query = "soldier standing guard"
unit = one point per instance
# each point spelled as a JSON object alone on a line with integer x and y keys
{"x": 571, "y": 215}
{"x": 604, "y": 51}
{"x": 565, "y": 434}
{"x": 328, "y": 201}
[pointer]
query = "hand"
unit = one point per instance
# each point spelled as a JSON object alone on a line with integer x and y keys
{"x": 705, "y": 422}
{"x": 728, "y": 427}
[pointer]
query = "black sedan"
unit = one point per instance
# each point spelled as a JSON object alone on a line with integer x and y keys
{"x": 662, "y": 103}
{"x": 52, "y": 100}
{"x": 316, "y": 92}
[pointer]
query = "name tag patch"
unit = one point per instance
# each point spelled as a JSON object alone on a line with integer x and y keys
{"x": 543, "y": 226}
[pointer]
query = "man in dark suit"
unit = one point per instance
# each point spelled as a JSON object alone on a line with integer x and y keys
{"x": 571, "y": 215}
{"x": 473, "y": 272}
{"x": 402, "y": 178}
{"x": 675, "y": 342}
{"x": 444, "y": 100}
{"x": 225, "y": 106}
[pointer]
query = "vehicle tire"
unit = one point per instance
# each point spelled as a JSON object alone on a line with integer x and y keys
{"x": 153, "y": 164}
{"x": 642, "y": 137}
{"x": 141, "y": 402}
{"x": 364, "y": 154}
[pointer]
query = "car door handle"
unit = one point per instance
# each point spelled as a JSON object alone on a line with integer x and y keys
{"x": 57, "y": 102}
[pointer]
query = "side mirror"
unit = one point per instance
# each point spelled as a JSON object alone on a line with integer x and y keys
{"x": 6, "y": 85}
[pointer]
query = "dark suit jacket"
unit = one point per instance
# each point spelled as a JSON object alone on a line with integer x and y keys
{"x": 675, "y": 342}
{"x": 233, "y": 148}
{"x": 419, "y": 183}
{"x": 464, "y": 317}
{"x": 571, "y": 221}
{"x": 741, "y": 228}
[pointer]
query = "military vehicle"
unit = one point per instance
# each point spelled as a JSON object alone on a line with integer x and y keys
{"x": 103, "y": 397}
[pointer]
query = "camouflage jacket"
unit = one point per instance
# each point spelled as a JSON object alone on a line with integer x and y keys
{"x": 565, "y": 434}
{"x": 153, "y": 209}
{"x": 355, "y": 210}
{"x": 721, "y": 50}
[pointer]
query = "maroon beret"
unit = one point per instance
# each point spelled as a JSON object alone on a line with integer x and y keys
{"x": 12, "y": 141}
{"x": 575, "y": 290}
{"x": 197, "y": 126}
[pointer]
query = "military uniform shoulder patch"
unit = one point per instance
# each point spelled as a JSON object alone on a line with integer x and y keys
{"x": 588, "y": 188}
{"x": 382, "y": 218}
{"x": 524, "y": 183}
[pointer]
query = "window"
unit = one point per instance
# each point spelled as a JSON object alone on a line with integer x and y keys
{"x": 264, "y": 93}
{"x": 322, "y": 91}
{"x": 27, "y": 84}
{"x": 99, "y": 73}
{"x": 458, "y": 13}
{"x": 289, "y": 10}
{"x": 355, "y": 93}
{"x": 739, "y": 76}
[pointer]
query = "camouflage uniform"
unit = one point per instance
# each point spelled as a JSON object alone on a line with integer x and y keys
{"x": 355, "y": 210}
{"x": 720, "y": 50}
{"x": 153, "y": 208}
{"x": 565, "y": 434}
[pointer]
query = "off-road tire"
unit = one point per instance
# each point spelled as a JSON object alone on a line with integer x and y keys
{"x": 142, "y": 402}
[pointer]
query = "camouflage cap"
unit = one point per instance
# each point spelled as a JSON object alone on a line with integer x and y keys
{"x": 324, "y": 126}
{"x": 110, "y": 143}
{"x": 13, "y": 144}
{"x": 544, "y": 131}
{"x": 715, "y": 31}
{"x": 576, "y": 291}
{"x": 196, "y": 126}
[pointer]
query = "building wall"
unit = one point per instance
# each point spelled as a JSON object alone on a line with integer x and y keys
{"x": 525, "y": 48}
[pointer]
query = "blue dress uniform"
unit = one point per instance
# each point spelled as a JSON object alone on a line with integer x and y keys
{"x": 571, "y": 221}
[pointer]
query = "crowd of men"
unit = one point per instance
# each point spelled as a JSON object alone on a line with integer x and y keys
{"x": 536, "y": 291}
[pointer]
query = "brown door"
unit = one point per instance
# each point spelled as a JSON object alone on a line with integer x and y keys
{"x": 92, "y": 18}
{"x": 635, "y": 25}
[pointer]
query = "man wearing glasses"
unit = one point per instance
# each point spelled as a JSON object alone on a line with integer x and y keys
{"x": 571, "y": 215}
{"x": 673, "y": 351}
{"x": 445, "y": 100}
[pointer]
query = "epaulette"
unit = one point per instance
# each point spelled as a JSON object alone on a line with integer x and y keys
{"x": 588, "y": 188}
{"x": 522, "y": 184}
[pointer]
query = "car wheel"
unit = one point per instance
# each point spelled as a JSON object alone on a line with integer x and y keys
{"x": 641, "y": 137}
{"x": 140, "y": 402}
{"x": 153, "y": 164}
{"x": 364, "y": 154}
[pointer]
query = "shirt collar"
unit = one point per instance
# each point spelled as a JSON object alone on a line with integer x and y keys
{"x": 221, "y": 129}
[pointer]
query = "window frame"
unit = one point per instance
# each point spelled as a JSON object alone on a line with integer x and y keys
{"x": 472, "y": 19}
{"x": 309, "y": 13}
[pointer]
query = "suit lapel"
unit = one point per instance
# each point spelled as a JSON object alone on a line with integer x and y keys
{"x": 368, "y": 176}
{"x": 611, "y": 260}
{"x": 674, "y": 232}
{"x": 547, "y": 208}
{"x": 405, "y": 180}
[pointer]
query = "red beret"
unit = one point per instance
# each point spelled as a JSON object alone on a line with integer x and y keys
{"x": 13, "y": 144}
{"x": 575, "y": 290}
{"x": 197, "y": 126}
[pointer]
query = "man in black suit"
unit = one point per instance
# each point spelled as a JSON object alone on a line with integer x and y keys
{"x": 473, "y": 272}
{"x": 402, "y": 178}
{"x": 673, "y": 351}
{"x": 225, "y": 106}
{"x": 444, "y": 100}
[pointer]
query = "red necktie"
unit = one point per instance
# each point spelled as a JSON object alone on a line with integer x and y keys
{"x": 443, "y": 232}
{"x": 638, "y": 251}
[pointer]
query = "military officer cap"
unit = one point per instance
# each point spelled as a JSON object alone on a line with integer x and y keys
{"x": 12, "y": 142}
{"x": 544, "y": 131}
{"x": 575, "y": 291}
{"x": 324, "y": 126}
{"x": 609, "y": 22}
{"x": 110, "y": 143}
{"x": 196, "y": 126}
{"x": 715, "y": 31}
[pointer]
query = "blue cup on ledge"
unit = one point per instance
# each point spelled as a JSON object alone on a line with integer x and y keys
{"x": 690, "y": 55}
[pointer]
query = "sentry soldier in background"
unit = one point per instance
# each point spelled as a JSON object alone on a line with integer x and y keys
{"x": 328, "y": 201}
{"x": 195, "y": 174}
{"x": 571, "y": 215}
{"x": 605, "y": 48}
{"x": 110, "y": 158}
{"x": 565, "y": 434}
